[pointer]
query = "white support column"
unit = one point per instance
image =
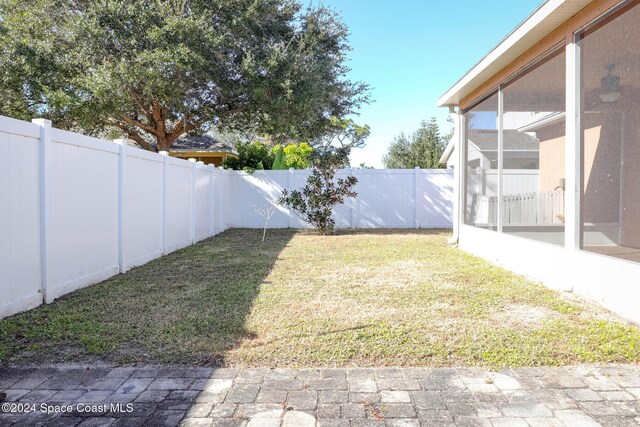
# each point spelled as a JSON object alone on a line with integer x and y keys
{"x": 463, "y": 169}
{"x": 573, "y": 151}
{"x": 193, "y": 200}
{"x": 500, "y": 159}
{"x": 121, "y": 216}
{"x": 457, "y": 169}
{"x": 416, "y": 178}
{"x": 46, "y": 200}
{"x": 164, "y": 201}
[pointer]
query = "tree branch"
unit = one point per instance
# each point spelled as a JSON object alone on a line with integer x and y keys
{"x": 141, "y": 142}
{"x": 131, "y": 134}
{"x": 139, "y": 124}
{"x": 160, "y": 130}
{"x": 138, "y": 100}
{"x": 181, "y": 128}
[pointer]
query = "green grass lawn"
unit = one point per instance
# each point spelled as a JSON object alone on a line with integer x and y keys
{"x": 391, "y": 297}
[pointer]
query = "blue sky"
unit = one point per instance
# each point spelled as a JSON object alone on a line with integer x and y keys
{"x": 412, "y": 51}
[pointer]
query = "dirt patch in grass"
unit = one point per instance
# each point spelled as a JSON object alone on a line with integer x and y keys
{"x": 360, "y": 298}
{"x": 525, "y": 316}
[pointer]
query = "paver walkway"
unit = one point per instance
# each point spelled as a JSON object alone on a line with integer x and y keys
{"x": 101, "y": 396}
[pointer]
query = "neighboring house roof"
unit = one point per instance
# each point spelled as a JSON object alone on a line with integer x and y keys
{"x": 131, "y": 143}
{"x": 451, "y": 146}
{"x": 542, "y": 122}
{"x": 546, "y": 18}
{"x": 201, "y": 144}
{"x": 486, "y": 140}
{"x": 448, "y": 152}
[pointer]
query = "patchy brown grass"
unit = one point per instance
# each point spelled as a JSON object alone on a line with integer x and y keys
{"x": 385, "y": 297}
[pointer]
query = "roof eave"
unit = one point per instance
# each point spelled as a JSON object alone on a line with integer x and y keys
{"x": 546, "y": 18}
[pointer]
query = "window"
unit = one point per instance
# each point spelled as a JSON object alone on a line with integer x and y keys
{"x": 610, "y": 129}
{"x": 481, "y": 206}
{"x": 533, "y": 177}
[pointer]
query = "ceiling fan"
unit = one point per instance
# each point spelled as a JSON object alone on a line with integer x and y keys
{"x": 610, "y": 86}
{"x": 611, "y": 91}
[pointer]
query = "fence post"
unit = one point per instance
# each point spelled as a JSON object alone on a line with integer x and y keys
{"x": 416, "y": 217}
{"x": 193, "y": 200}
{"x": 165, "y": 155}
{"x": 200, "y": 162}
{"x": 353, "y": 206}
{"x": 223, "y": 205}
{"x": 212, "y": 201}
{"x": 289, "y": 185}
{"x": 229, "y": 173}
{"x": 121, "y": 216}
{"x": 46, "y": 182}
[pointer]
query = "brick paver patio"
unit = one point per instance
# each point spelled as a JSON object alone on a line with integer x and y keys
{"x": 167, "y": 396}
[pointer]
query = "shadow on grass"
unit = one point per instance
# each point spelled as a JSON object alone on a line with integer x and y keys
{"x": 391, "y": 231}
{"x": 189, "y": 307}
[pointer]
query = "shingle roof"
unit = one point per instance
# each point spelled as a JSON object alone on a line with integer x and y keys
{"x": 201, "y": 143}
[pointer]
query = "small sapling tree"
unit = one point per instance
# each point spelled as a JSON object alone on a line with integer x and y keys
{"x": 266, "y": 212}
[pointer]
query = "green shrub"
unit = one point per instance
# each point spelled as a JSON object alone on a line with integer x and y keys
{"x": 296, "y": 156}
{"x": 251, "y": 156}
{"x": 315, "y": 201}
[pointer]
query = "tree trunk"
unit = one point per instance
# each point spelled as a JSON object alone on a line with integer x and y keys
{"x": 161, "y": 141}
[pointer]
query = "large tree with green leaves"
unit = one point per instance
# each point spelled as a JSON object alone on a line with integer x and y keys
{"x": 154, "y": 70}
{"x": 341, "y": 135}
{"x": 421, "y": 149}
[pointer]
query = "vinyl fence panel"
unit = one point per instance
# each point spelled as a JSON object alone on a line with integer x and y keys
{"x": 387, "y": 198}
{"x": 20, "y": 280}
{"x": 219, "y": 207}
{"x": 255, "y": 194}
{"x": 203, "y": 203}
{"x": 82, "y": 227}
{"x": 435, "y": 198}
{"x": 343, "y": 214}
{"x": 142, "y": 207}
{"x": 77, "y": 210}
{"x": 297, "y": 180}
{"x": 178, "y": 204}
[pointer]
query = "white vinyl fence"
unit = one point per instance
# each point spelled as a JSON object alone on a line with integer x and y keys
{"x": 387, "y": 198}
{"x": 514, "y": 181}
{"x": 522, "y": 203}
{"x": 76, "y": 210}
{"x": 541, "y": 208}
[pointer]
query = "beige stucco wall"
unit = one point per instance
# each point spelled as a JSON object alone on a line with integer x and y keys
{"x": 631, "y": 182}
{"x": 610, "y": 154}
{"x": 602, "y": 171}
{"x": 591, "y": 141}
{"x": 552, "y": 168}
{"x": 602, "y": 136}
